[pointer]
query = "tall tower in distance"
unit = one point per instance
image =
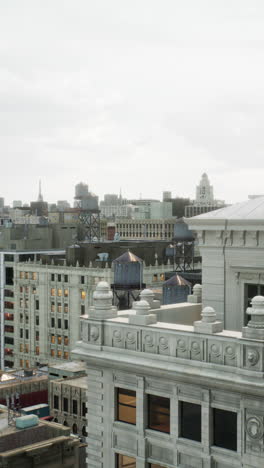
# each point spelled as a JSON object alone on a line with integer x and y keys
{"x": 204, "y": 191}
{"x": 40, "y": 196}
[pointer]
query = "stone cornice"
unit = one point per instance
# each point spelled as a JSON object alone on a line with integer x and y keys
{"x": 201, "y": 376}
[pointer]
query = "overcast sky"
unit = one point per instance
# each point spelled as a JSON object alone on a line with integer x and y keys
{"x": 142, "y": 95}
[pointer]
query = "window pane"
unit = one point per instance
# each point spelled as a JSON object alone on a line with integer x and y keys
{"x": 225, "y": 429}
{"x": 159, "y": 413}
{"x": 126, "y": 406}
{"x": 190, "y": 421}
{"x": 122, "y": 461}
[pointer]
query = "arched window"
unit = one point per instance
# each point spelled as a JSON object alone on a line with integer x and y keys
{"x": 65, "y": 423}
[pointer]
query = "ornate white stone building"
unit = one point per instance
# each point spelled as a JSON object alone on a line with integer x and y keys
{"x": 231, "y": 242}
{"x": 167, "y": 395}
{"x": 164, "y": 395}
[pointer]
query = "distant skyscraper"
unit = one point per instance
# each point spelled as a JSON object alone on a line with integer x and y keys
{"x": 17, "y": 204}
{"x": 166, "y": 195}
{"x": 204, "y": 191}
{"x": 40, "y": 196}
{"x": 204, "y": 201}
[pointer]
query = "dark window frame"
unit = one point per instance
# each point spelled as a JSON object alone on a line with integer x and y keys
{"x": 223, "y": 439}
{"x": 187, "y": 427}
{"x": 155, "y": 405}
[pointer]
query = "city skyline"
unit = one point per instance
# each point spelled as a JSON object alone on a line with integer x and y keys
{"x": 113, "y": 93}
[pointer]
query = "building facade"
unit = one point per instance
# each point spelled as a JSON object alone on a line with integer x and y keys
{"x": 163, "y": 395}
{"x": 154, "y": 229}
{"x": 8, "y": 261}
{"x": 231, "y": 242}
{"x": 67, "y": 402}
{"x": 48, "y": 303}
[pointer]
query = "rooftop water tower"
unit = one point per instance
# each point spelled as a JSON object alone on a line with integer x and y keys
{"x": 128, "y": 279}
{"x": 175, "y": 290}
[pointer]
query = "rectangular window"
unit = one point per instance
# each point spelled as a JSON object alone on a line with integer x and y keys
{"x": 34, "y": 276}
{"x": 59, "y": 354}
{"x": 21, "y": 348}
{"x": 52, "y": 277}
{"x": 66, "y": 355}
{"x": 66, "y": 308}
{"x": 52, "y": 307}
{"x": 159, "y": 413}
{"x": 59, "y": 308}
{"x": 65, "y": 404}
{"x": 66, "y": 292}
{"x": 59, "y": 278}
{"x": 55, "y": 402}
{"x": 74, "y": 407}
{"x": 52, "y": 340}
{"x": 123, "y": 461}
{"x": 59, "y": 292}
{"x": 34, "y": 290}
{"x": 53, "y": 292}
{"x": 59, "y": 339}
{"x": 21, "y": 332}
{"x": 37, "y": 350}
{"x": 82, "y": 279}
{"x": 27, "y": 334}
{"x": 66, "y": 324}
{"x": 225, "y": 429}
{"x": 37, "y": 304}
{"x": 37, "y": 320}
{"x": 21, "y": 362}
{"x": 190, "y": 421}
{"x": 37, "y": 335}
{"x": 66, "y": 278}
{"x": 59, "y": 323}
{"x": 84, "y": 409}
{"x": 66, "y": 340}
{"x": 52, "y": 322}
{"x": 52, "y": 352}
{"x": 83, "y": 295}
{"x": 26, "y": 348}
{"x": 22, "y": 275}
{"x": 126, "y": 405}
{"x": 82, "y": 309}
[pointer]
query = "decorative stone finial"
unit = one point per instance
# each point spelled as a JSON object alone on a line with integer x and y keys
{"x": 142, "y": 316}
{"x": 148, "y": 295}
{"x": 208, "y": 324}
{"x": 102, "y": 298}
{"x": 255, "y": 327}
{"x": 196, "y": 296}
